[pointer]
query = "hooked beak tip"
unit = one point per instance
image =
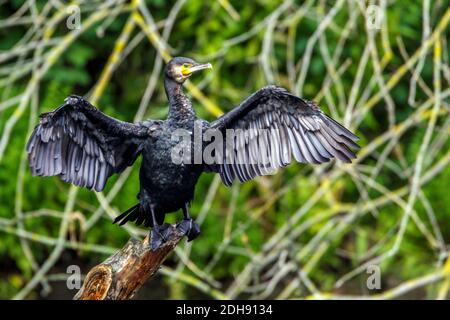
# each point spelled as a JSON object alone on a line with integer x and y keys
{"x": 199, "y": 67}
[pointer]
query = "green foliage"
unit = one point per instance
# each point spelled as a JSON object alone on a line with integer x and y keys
{"x": 261, "y": 208}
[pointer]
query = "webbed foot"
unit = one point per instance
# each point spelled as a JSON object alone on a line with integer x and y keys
{"x": 189, "y": 228}
{"x": 159, "y": 235}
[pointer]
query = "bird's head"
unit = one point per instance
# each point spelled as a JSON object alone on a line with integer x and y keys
{"x": 181, "y": 68}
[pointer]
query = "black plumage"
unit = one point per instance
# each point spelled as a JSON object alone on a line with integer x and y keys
{"x": 85, "y": 147}
{"x": 287, "y": 125}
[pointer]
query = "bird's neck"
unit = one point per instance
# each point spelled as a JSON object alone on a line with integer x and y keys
{"x": 180, "y": 108}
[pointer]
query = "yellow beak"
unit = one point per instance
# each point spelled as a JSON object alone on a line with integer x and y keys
{"x": 197, "y": 67}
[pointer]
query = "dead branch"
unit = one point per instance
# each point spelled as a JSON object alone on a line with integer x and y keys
{"x": 121, "y": 275}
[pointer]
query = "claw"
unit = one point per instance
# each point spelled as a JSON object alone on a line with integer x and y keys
{"x": 189, "y": 228}
{"x": 159, "y": 235}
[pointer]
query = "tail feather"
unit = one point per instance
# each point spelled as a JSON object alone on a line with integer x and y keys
{"x": 140, "y": 214}
{"x": 139, "y": 219}
{"x": 129, "y": 215}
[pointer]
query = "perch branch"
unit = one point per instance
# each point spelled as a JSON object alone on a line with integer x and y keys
{"x": 121, "y": 275}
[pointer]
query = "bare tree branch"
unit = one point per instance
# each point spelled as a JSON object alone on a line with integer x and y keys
{"x": 121, "y": 275}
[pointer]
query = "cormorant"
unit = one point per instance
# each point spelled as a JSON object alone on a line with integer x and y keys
{"x": 83, "y": 146}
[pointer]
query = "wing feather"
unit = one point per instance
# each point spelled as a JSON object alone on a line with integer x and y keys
{"x": 278, "y": 126}
{"x": 83, "y": 146}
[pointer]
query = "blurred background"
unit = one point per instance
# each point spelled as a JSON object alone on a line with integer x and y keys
{"x": 376, "y": 228}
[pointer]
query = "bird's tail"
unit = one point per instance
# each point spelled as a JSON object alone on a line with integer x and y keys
{"x": 132, "y": 214}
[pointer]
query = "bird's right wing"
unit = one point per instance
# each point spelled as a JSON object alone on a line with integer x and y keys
{"x": 82, "y": 145}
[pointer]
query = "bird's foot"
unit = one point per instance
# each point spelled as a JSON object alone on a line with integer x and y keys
{"x": 159, "y": 235}
{"x": 189, "y": 228}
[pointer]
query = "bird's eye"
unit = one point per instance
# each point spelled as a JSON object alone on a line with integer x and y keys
{"x": 186, "y": 65}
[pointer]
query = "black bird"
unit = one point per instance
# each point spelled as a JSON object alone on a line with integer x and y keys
{"x": 83, "y": 146}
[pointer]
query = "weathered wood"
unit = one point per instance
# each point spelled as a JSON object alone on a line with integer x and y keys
{"x": 120, "y": 276}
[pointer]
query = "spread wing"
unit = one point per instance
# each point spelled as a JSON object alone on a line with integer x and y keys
{"x": 274, "y": 125}
{"x": 82, "y": 145}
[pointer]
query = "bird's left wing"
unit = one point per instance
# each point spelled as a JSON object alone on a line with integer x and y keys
{"x": 270, "y": 126}
{"x": 83, "y": 146}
